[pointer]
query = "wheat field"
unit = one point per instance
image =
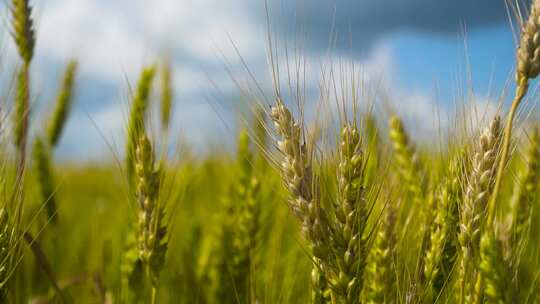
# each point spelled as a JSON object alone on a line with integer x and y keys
{"x": 350, "y": 208}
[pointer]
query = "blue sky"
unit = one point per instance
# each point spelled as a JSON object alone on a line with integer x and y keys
{"x": 415, "y": 47}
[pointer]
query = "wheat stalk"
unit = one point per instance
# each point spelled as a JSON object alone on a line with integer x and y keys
{"x": 62, "y": 105}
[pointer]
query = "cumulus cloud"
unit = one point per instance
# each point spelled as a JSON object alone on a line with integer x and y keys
{"x": 114, "y": 39}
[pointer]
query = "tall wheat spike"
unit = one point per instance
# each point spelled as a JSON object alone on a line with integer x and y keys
{"x": 23, "y": 29}
{"x": 23, "y": 34}
{"x": 296, "y": 171}
{"x": 222, "y": 284}
{"x": 166, "y": 96}
{"x": 380, "y": 280}
{"x": 407, "y": 164}
{"x": 132, "y": 274}
{"x": 473, "y": 208}
{"x": 497, "y": 284}
{"x": 137, "y": 116}
{"x": 441, "y": 254}
{"x": 152, "y": 227}
{"x": 62, "y": 106}
{"x": 526, "y": 188}
{"x": 248, "y": 225}
{"x": 528, "y": 68}
{"x": 348, "y": 245}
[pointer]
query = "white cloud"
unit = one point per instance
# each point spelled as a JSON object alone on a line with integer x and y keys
{"x": 101, "y": 37}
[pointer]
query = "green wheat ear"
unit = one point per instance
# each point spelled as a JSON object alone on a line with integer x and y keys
{"x": 498, "y": 283}
{"x": 166, "y": 96}
{"x": 62, "y": 106}
{"x": 21, "y": 109}
{"x": 152, "y": 230}
{"x": 526, "y": 189}
{"x": 23, "y": 29}
{"x": 42, "y": 164}
{"x": 137, "y": 116}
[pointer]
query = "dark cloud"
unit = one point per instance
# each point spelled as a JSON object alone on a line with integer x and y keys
{"x": 368, "y": 20}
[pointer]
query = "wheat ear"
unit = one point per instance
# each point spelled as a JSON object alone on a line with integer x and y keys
{"x": 349, "y": 247}
{"x": 23, "y": 29}
{"x": 137, "y": 116}
{"x": 406, "y": 163}
{"x": 525, "y": 191}
{"x": 441, "y": 253}
{"x": 24, "y": 37}
{"x": 380, "y": 276}
{"x": 496, "y": 284}
{"x": 152, "y": 228}
{"x": 62, "y": 105}
{"x": 528, "y": 67}
{"x": 296, "y": 171}
{"x": 166, "y": 96}
{"x": 246, "y": 238}
{"x": 479, "y": 186}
